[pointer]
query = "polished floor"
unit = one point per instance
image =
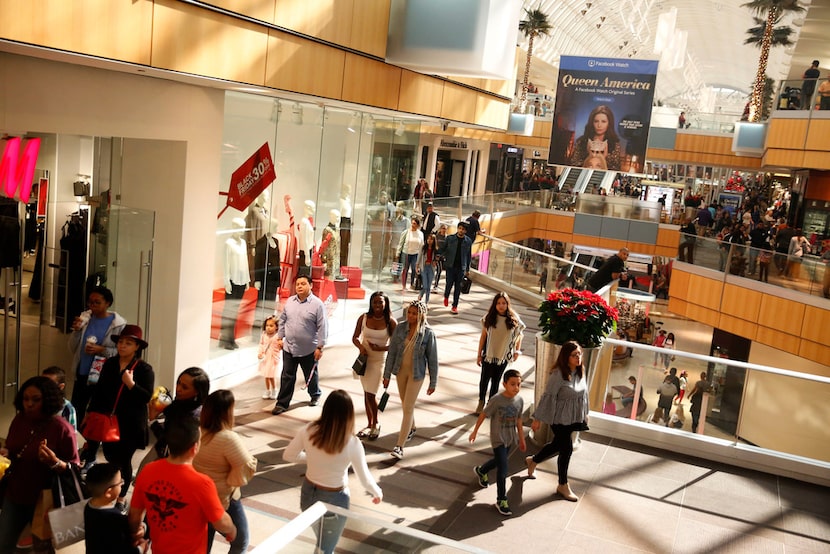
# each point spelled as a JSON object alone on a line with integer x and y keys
{"x": 632, "y": 498}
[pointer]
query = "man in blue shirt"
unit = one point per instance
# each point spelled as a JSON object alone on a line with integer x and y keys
{"x": 457, "y": 252}
{"x": 302, "y": 334}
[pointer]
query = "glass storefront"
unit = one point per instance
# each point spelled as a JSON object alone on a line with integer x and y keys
{"x": 342, "y": 178}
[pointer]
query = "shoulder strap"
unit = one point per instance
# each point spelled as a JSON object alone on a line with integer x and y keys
{"x": 118, "y": 396}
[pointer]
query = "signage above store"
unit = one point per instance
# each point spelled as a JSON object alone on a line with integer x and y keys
{"x": 16, "y": 172}
{"x": 453, "y": 144}
{"x": 250, "y": 179}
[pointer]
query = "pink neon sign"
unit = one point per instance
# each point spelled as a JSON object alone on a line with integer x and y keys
{"x": 16, "y": 172}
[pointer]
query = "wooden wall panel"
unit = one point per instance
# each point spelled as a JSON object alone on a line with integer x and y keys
{"x": 677, "y": 306}
{"x": 668, "y": 237}
{"x": 737, "y": 326}
{"x": 235, "y": 50}
{"x": 741, "y": 302}
{"x": 587, "y": 241}
{"x": 788, "y": 314}
{"x": 815, "y": 324}
{"x": 322, "y": 18}
{"x": 705, "y": 292}
{"x": 708, "y": 144}
{"x": 667, "y": 251}
{"x": 560, "y": 223}
{"x": 777, "y": 339}
{"x": 456, "y": 104}
{"x": 118, "y": 30}
{"x": 786, "y": 133}
{"x": 289, "y": 58}
{"x": 818, "y": 135}
{"x": 616, "y": 244}
{"x": 366, "y": 81}
{"x": 816, "y": 159}
{"x": 784, "y": 158}
{"x": 420, "y": 94}
{"x": 817, "y": 352}
{"x": 258, "y": 9}
{"x": 679, "y": 285}
{"x": 703, "y": 315}
{"x": 491, "y": 111}
{"x": 370, "y": 26}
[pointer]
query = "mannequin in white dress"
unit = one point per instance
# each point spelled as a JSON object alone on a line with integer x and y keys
{"x": 237, "y": 277}
{"x": 306, "y": 232}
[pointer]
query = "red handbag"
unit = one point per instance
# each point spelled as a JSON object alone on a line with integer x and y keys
{"x": 103, "y": 427}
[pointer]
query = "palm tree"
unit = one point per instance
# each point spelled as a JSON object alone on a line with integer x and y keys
{"x": 780, "y": 35}
{"x": 773, "y": 10}
{"x": 536, "y": 24}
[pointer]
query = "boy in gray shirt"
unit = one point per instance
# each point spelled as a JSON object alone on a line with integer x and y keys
{"x": 505, "y": 413}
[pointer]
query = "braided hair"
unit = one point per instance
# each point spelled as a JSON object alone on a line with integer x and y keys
{"x": 422, "y": 314}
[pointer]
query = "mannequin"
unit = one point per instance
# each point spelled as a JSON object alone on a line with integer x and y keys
{"x": 330, "y": 246}
{"x": 237, "y": 277}
{"x": 256, "y": 221}
{"x": 267, "y": 264}
{"x": 306, "y": 234}
{"x": 345, "y": 223}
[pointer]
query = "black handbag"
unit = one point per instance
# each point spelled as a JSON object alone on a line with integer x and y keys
{"x": 359, "y": 365}
{"x": 466, "y": 283}
{"x": 384, "y": 399}
{"x": 419, "y": 283}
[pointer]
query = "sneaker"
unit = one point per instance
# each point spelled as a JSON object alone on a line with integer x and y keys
{"x": 314, "y": 401}
{"x": 504, "y": 508}
{"x": 273, "y": 395}
{"x": 277, "y": 410}
{"x": 410, "y": 435}
{"x": 454, "y": 310}
{"x": 397, "y": 452}
{"x": 267, "y": 394}
{"x": 483, "y": 481}
{"x": 446, "y": 301}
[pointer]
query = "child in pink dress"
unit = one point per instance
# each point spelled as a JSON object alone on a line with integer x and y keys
{"x": 269, "y": 357}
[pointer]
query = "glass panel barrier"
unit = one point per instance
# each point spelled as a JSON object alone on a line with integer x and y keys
{"x": 754, "y": 406}
{"x": 797, "y": 94}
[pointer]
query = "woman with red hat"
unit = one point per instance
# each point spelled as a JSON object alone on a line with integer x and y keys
{"x": 125, "y": 387}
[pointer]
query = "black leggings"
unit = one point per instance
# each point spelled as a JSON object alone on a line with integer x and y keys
{"x": 490, "y": 373}
{"x": 562, "y": 445}
{"x": 122, "y": 456}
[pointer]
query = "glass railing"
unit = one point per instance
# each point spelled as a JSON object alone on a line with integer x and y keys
{"x": 525, "y": 268}
{"x": 757, "y": 407}
{"x": 808, "y": 274}
{"x": 364, "y": 531}
{"x": 798, "y": 94}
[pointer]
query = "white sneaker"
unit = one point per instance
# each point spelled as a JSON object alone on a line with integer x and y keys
{"x": 273, "y": 394}
{"x": 267, "y": 394}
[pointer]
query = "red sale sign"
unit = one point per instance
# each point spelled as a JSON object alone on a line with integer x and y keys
{"x": 250, "y": 179}
{"x": 16, "y": 170}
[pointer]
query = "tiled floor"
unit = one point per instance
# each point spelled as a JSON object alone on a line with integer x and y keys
{"x": 633, "y": 498}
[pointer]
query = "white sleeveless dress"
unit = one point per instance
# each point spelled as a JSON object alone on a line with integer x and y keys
{"x": 374, "y": 364}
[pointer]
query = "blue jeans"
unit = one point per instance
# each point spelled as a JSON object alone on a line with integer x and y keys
{"x": 499, "y": 463}
{"x": 454, "y": 277}
{"x": 427, "y": 274}
{"x": 331, "y": 527}
{"x": 409, "y": 261}
{"x": 289, "y": 377}
{"x": 237, "y": 513}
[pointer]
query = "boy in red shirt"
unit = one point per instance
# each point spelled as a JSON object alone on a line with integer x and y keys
{"x": 178, "y": 500}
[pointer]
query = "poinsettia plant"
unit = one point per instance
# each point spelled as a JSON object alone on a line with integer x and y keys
{"x": 570, "y": 314}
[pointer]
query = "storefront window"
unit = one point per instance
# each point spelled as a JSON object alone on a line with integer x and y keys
{"x": 340, "y": 177}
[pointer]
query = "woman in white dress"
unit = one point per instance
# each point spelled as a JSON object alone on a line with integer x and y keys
{"x": 371, "y": 337}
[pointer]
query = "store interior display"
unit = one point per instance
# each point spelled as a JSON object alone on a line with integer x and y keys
{"x": 345, "y": 223}
{"x": 330, "y": 246}
{"x": 305, "y": 235}
{"x": 237, "y": 278}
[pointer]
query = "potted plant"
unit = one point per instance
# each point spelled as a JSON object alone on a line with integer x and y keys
{"x": 582, "y": 316}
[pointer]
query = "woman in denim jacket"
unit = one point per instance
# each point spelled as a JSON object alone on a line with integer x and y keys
{"x": 412, "y": 350}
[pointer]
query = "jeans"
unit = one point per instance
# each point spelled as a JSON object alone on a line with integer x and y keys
{"x": 289, "y": 377}
{"x": 499, "y": 462}
{"x": 409, "y": 262}
{"x": 562, "y": 445}
{"x": 13, "y": 518}
{"x": 331, "y": 527}
{"x": 453, "y": 279}
{"x": 237, "y": 513}
{"x": 427, "y": 274}
{"x": 490, "y": 374}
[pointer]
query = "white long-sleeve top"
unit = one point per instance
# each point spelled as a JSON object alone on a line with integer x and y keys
{"x": 331, "y": 470}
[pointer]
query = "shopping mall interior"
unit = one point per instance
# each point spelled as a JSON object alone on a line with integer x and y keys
{"x": 195, "y": 156}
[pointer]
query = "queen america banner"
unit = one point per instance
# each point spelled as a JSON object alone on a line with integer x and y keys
{"x": 602, "y": 113}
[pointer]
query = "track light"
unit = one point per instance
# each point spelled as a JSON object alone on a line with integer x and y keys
{"x": 354, "y": 123}
{"x": 297, "y": 113}
{"x": 400, "y": 130}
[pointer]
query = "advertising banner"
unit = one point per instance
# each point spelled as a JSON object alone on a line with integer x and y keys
{"x": 602, "y": 113}
{"x": 250, "y": 179}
